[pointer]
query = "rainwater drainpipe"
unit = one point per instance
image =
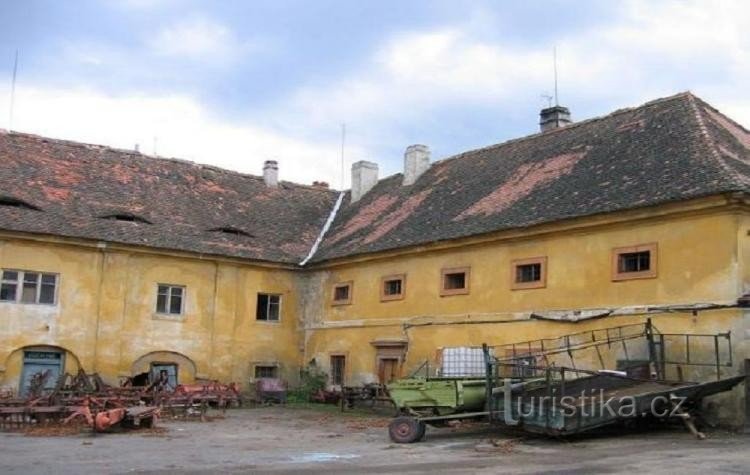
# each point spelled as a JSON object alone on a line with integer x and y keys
{"x": 323, "y": 231}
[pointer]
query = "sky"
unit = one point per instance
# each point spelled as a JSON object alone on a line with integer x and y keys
{"x": 235, "y": 83}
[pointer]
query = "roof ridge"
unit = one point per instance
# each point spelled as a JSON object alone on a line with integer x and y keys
{"x": 731, "y": 174}
{"x": 145, "y": 156}
{"x": 573, "y": 125}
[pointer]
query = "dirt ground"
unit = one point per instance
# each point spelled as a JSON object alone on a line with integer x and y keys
{"x": 314, "y": 440}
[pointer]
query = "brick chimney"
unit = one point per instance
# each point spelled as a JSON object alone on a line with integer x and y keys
{"x": 416, "y": 162}
{"x": 554, "y": 117}
{"x": 271, "y": 173}
{"x": 364, "y": 177}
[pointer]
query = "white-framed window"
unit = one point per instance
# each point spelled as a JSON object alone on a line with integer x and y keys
{"x": 268, "y": 308}
{"x": 170, "y": 299}
{"x": 23, "y": 286}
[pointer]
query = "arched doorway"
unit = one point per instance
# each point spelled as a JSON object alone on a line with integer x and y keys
{"x": 178, "y": 367}
{"x": 40, "y": 366}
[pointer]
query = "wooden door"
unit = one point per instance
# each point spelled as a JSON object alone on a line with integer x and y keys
{"x": 388, "y": 369}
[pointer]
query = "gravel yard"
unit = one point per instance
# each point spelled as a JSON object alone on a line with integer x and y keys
{"x": 322, "y": 440}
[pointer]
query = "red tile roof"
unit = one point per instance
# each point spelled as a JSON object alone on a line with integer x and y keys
{"x": 190, "y": 207}
{"x": 671, "y": 149}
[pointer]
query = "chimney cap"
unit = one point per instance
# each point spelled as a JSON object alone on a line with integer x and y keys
{"x": 554, "y": 117}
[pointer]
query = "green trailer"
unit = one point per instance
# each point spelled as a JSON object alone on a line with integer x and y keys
{"x": 436, "y": 401}
{"x": 422, "y": 401}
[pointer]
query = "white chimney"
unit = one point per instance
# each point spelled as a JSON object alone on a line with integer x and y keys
{"x": 553, "y": 118}
{"x": 416, "y": 162}
{"x": 364, "y": 177}
{"x": 271, "y": 173}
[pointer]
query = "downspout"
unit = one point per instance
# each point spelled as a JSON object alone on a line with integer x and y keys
{"x": 323, "y": 231}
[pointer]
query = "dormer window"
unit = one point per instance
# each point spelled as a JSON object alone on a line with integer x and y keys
{"x": 231, "y": 231}
{"x": 126, "y": 217}
{"x": 16, "y": 203}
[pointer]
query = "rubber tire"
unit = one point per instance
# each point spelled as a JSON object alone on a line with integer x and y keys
{"x": 406, "y": 430}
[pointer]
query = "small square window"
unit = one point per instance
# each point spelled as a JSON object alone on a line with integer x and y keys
{"x": 170, "y": 299}
{"x": 454, "y": 281}
{"x": 342, "y": 293}
{"x": 268, "y": 307}
{"x": 392, "y": 287}
{"x": 529, "y": 273}
{"x": 636, "y": 262}
{"x": 266, "y": 371}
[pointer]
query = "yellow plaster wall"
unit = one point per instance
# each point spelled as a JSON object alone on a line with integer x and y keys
{"x": 697, "y": 262}
{"x": 105, "y": 315}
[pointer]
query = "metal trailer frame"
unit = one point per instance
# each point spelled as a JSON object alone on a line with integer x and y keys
{"x": 519, "y": 379}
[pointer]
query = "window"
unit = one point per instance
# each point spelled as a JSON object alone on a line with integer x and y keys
{"x": 338, "y": 369}
{"x": 529, "y": 273}
{"x": 28, "y": 287}
{"x": 170, "y": 299}
{"x": 635, "y": 262}
{"x": 392, "y": 287}
{"x": 454, "y": 281}
{"x": 342, "y": 293}
{"x": 268, "y": 308}
{"x": 16, "y": 203}
{"x": 231, "y": 231}
{"x": 126, "y": 217}
{"x": 267, "y": 371}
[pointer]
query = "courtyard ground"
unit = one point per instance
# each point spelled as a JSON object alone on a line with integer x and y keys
{"x": 322, "y": 440}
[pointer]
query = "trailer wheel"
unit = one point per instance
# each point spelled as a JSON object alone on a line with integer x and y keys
{"x": 405, "y": 430}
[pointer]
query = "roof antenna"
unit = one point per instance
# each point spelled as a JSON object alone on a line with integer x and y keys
{"x": 343, "y": 141}
{"x": 547, "y": 98}
{"x": 13, "y": 92}
{"x": 554, "y": 60}
{"x": 156, "y": 142}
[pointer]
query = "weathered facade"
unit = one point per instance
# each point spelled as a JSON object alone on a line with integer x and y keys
{"x": 157, "y": 262}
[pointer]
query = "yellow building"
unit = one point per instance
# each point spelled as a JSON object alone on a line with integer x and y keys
{"x": 123, "y": 264}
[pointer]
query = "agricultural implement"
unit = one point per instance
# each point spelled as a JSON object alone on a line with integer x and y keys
{"x": 537, "y": 387}
{"x": 86, "y": 397}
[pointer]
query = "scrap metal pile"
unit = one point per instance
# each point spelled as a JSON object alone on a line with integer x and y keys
{"x": 87, "y": 398}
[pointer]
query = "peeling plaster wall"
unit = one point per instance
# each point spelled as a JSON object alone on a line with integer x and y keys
{"x": 106, "y": 317}
{"x": 698, "y": 261}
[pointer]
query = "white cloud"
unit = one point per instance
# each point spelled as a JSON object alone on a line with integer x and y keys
{"x": 198, "y": 38}
{"x": 182, "y": 127}
{"x": 651, "y": 50}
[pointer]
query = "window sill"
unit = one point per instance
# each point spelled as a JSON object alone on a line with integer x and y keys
{"x": 452, "y": 292}
{"x": 340, "y": 303}
{"x": 13, "y": 302}
{"x": 268, "y": 322}
{"x": 391, "y": 298}
{"x": 168, "y": 317}
{"x": 528, "y": 285}
{"x": 633, "y": 276}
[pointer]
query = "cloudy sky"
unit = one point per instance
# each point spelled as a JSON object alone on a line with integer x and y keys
{"x": 235, "y": 83}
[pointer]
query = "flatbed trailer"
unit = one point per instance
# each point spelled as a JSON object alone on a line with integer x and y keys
{"x": 558, "y": 400}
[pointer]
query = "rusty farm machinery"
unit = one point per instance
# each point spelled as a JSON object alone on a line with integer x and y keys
{"x": 85, "y": 397}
